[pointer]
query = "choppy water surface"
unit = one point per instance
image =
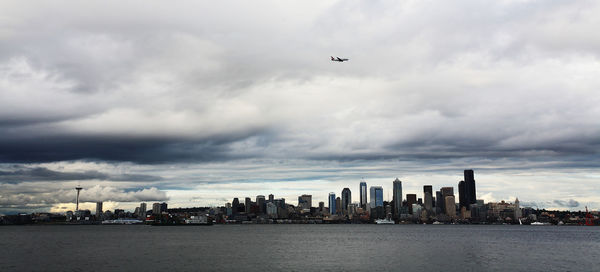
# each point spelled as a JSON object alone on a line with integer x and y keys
{"x": 300, "y": 248}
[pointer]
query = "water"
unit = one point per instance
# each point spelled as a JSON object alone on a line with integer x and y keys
{"x": 300, "y": 248}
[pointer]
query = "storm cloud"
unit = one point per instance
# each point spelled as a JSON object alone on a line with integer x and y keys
{"x": 505, "y": 85}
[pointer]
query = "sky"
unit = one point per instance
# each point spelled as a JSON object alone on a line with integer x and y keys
{"x": 197, "y": 102}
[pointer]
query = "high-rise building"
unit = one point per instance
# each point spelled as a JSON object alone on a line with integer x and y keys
{"x": 428, "y": 197}
{"x": 163, "y": 207}
{"x": 155, "y": 208}
{"x": 338, "y": 204}
{"x": 462, "y": 195}
{"x": 271, "y": 197}
{"x": 410, "y": 200}
{"x": 98, "y": 210}
{"x": 271, "y": 209}
{"x": 346, "y": 199}
{"x": 142, "y": 211}
{"x": 305, "y": 201}
{"x": 376, "y": 196}
{"x": 248, "y": 204}
{"x": 397, "y": 197}
{"x": 332, "y": 203}
{"x": 260, "y": 201}
{"x": 439, "y": 203}
{"x": 321, "y": 206}
{"x": 450, "y": 206}
{"x": 235, "y": 205}
{"x": 470, "y": 187}
{"x": 363, "y": 194}
{"x": 446, "y": 191}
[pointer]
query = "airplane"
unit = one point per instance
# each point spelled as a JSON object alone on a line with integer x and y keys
{"x": 338, "y": 59}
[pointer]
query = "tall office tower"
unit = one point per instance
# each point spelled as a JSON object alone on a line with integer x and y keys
{"x": 78, "y": 188}
{"x": 235, "y": 205}
{"x": 376, "y": 196}
{"x": 462, "y": 195}
{"x": 439, "y": 203}
{"x": 363, "y": 194}
{"x": 447, "y": 191}
{"x": 260, "y": 201}
{"x": 271, "y": 197}
{"x": 142, "y": 211}
{"x": 98, "y": 209}
{"x": 163, "y": 207}
{"x": 321, "y": 206}
{"x": 305, "y": 201}
{"x": 338, "y": 205}
{"x": 428, "y": 197}
{"x": 450, "y": 206}
{"x": 248, "y": 204}
{"x": 280, "y": 202}
{"x": 410, "y": 200}
{"x": 271, "y": 209}
{"x": 397, "y": 197}
{"x": 470, "y": 187}
{"x": 332, "y": 203}
{"x": 156, "y": 208}
{"x": 346, "y": 199}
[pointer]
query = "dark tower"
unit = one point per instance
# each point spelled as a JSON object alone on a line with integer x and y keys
{"x": 78, "y": 188}
{"x": 346, "y": 199}
{"x": 235, "y": 205}
{"x": 411, "y": 199}
{"x": 462, "y": 195}
{"x": 470, "y": 188}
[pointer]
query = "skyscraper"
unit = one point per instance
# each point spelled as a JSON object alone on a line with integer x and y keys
{"x": 428, "y": 197}
{"x": 376, "y": 196}
{"x": 470, "y": 187}
{"x": 397, "y": 197}
{"x": 439, "y": 203}
{"x": 346, "y": 199}
{"x": 410, "y": 200}
{"x": 332, "y": 203}
{"x": 247, "y": 204}
{"x": 235, "y": 205}
{"x": 163, "y": 207}
{"x": 462, "y": 195}
{"x": 271, "y": 197}
{"x": 260, "y": 201}
{"x": 142, "y": 211}
{"x": 156, "y": 208}
{"x": 98, "y": 209}
{"x": 338, "y": 204}
{"x": 305, "y": 201}
{"x": 450, "y": 206}
{"x": 363, "y": 194}
{"x": 447, "y": 191}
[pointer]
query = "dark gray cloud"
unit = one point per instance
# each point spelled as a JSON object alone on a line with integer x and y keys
{"x": 567, "y": 204}
{"x": 44, "y": 174}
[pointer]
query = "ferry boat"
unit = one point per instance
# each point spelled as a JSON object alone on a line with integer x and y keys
{"x": 386, "y": 221}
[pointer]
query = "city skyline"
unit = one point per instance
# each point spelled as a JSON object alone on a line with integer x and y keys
{"x": 179, "y": 103}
